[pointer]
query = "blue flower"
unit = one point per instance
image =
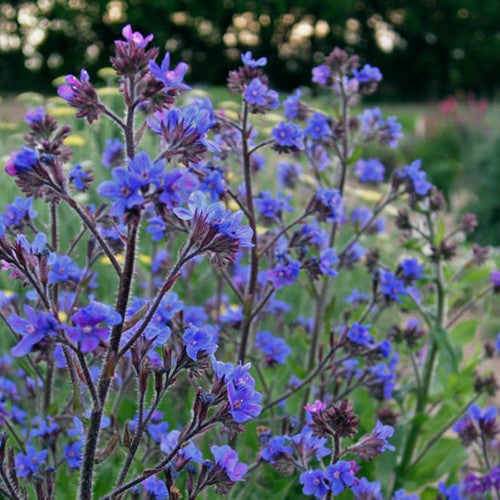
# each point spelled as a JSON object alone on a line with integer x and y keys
{"x": 292, "y": 104}
{"x": 317, "y": 126}
{"x": 147, "y": 173}
{"x": 288, "y": 174}
{"x": 340, "y": 475}
{"x": 86, "y": 320}
{"x": 276, "y": 447}
{"x": 367, "y": 74}
{"x": 73, "y": 454}
{"x": 284, "y": 274}
{"x": 360, "y": 335}
{"x": 227, "y": 459}
{"x": 124, "y": 190}
{"x": 79, "y": 177}
{"x": 156, "y": 228}
{"x": 171, "y": 78}
{"x": 272, "y": 208}
{"x": 364, "y": 489}
{"x": 391, "y": 287}
{"x": 23, "y": 161}
{"x": 275, "y": 348}
{"x": 35, "y": 329}
{"x": 371, "y": 170}
{"x": 63, "y": 269}
{"x": 155, "y": 488}
{"x": 256, "y": 92}
{"x": 329, "y": 205}
{"x": 213, "y": 183}
{"x": 412, "y": 269}
{"x": 189, "y": 452}
{"x": 113, "y": 153}
{"x": 417, "y": 178}
{"x": 199, "y": 342}
{"x": 247, "y": 60}
{"x": 29, "y": 463}
{"x": 21, "y": 209}
{"x": 402, "y": 495}
{"x": 314, "y": 483}
{"x": 327, "y": 259}
{"x": 307, "y": 445}
{"x": 244, "y": 401}
{"x": 288, "y": 135}
{"x": 450, "y": 492}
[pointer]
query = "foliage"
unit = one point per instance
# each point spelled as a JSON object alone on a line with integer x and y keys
{"x": 214, "y": 254}
{"x": 451, "y": 45}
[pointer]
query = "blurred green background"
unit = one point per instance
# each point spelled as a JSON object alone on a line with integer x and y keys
{"x": 439, "y": 58}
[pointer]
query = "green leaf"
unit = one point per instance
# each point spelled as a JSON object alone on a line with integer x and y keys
{"x": 447, "y": 352}
{"x": 440, "y": 231}
{"x": 464, "y": 332}
{"x": 441, "y": 459}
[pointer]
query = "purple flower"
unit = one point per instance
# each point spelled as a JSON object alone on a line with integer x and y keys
{"x": 276, "y": 448}
{"x": 275, "y": 348}
{"x": 356, "y": 297}
{"x": 124, "y": 190}
{"x": 317, "y": 126}
{"x": 391, "y": 287}
{"x": 288, "y": 137}
{"x": 247, "y": 60}
{"x": 284, "y": 275}
{"x": 171, "y": 78}
{"x": 135, "y": 37}
{"x": 495, "y": 280}
{"x": 340, "y": 475}
{"x": 227, "y": 459}
{"x": 86, "y": 320}
{"x": 371, "y": 170}
{"x": 29, "y": 463}
{"x": 314, "y": 483}
{"x": 321, "y": 75}
{"x": 34, "y": 329}
{"x": 73, "y": 454}
{"x": 156, "y": 228}
{"x": 244, "y": 402}
{"x": 199, "y": 342}
{"x": 35, "y": 116}
{"x": 80, "y": 94}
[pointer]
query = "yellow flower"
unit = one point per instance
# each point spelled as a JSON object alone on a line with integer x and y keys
{"x": 74, "y": 140}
